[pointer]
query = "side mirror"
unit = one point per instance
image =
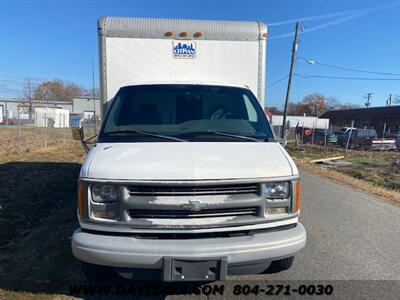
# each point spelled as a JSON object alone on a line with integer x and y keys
{"x": 79, "y": 135}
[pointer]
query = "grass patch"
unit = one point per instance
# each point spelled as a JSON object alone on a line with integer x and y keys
{"x": 373, "y": 172}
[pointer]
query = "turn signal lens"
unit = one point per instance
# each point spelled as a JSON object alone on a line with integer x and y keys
{"x": 297, "y": 206}
{"x": 197, "y": 34}
{"x": 169, "y": 33}
{"x": 81, "y": 199}
{"x": 183, "y": 34}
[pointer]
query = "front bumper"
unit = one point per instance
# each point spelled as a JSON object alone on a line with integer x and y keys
{"x": 130, "y": 252}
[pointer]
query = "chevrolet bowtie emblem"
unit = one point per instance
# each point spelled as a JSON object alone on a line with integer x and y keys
{"x": 195, "y": 205}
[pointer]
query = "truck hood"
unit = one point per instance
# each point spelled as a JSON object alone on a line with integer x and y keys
{"x": 187, "y": 161}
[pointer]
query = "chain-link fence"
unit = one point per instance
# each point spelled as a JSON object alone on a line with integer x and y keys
{"x": 45, "y": 127}
{"x": 24, "y": 135}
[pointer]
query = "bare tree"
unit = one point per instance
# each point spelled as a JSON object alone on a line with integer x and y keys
{"x": 274, "y": 110}
{"x": 332, "y": 103}
{"x": 57, "y": 90}
{"x": 316, "y": 103}
{"x": 28, "y": 96}
{"x": 89, "y": 92}
{"x": 349, "y": 106}
{"x": 298, "y": 109}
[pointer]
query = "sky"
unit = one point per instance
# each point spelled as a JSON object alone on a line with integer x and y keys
{"x": 57, "y": 39}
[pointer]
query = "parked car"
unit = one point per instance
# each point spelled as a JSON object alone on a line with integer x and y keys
{"x": 343, "y": 131}
{"x": 387, "y": 143}
{"x": 318, "y": 137}
{"x": 361, "y": 139}
{"x": 9, "y": 121}
{"x": 397, "y": 141}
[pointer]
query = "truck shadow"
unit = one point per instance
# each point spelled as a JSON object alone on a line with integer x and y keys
{"x": 37, "y": 219}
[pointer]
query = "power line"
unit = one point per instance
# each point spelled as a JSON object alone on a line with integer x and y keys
{"x": 277, "y": 81}
{"x": 351, "y": 69}
{"x": 308, "y": 76}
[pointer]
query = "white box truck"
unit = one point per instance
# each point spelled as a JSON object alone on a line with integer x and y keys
{"x": 186, "y": 181}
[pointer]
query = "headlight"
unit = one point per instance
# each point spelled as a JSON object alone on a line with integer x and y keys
{"x": 277, "y": 190}
{"x": 104, "y": 193}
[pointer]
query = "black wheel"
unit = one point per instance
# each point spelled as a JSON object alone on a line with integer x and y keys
{"x": 280, "y": 265}
{"x": 98, "y": 273}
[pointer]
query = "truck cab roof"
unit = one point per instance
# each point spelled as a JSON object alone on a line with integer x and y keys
{"x": 187, "y": 82}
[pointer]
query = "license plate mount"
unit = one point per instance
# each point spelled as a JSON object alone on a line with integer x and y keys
{"x": 189, "y": 269}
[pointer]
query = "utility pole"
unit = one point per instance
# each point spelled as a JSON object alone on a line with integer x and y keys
{"x": 389, "y": 100}
{"x": 294, "y": 51}
{"x": 368, "y": 97}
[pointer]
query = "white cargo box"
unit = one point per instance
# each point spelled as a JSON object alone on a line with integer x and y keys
{"x": 137, "y": 50}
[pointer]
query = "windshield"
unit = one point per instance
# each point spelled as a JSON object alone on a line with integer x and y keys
{"x": 186, "y": 113}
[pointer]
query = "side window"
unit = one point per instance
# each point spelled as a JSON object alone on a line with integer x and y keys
{"x": 251, "y": 112}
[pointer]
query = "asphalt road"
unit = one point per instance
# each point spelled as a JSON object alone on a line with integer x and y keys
{"x": 351, "y": 235}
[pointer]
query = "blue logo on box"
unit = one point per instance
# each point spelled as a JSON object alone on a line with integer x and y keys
{"x": 184, "y": 49}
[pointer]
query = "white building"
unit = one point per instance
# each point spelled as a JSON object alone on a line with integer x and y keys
{"x": 85, "y": 107}
{"x": 51, "y": 117}
{"x": 301, "y": 121}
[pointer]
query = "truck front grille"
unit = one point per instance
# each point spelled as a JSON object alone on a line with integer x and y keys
{"x": 154, "y": 190}
{"x": 186, "y": 214}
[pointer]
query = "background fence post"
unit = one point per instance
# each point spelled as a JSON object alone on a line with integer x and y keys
{"x": 19, "y": 133}
{"x": 348, "y": 138}
{"x": 45, "y": 131}
{"x": 64, "y": 126}
{"x": 383, "y": 136}
{"x": 313, "y": 130}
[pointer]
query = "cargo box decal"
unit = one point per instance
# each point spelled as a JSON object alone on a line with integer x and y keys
{"x": 184, "y": 49}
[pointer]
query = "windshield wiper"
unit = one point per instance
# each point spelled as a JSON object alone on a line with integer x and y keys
{"x": 166, "y": 137}
{"x": 247, "y": 138}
